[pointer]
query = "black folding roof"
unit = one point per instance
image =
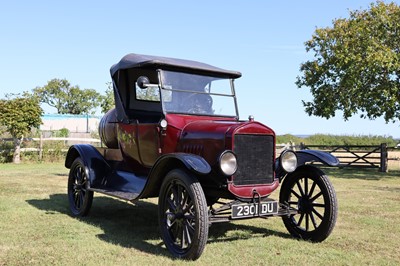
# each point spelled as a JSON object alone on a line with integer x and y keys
{"x": 149, "y": 61}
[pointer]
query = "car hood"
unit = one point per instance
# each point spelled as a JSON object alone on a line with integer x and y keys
{"x": 216, "y": 129}
{"x": 210, "y": 137}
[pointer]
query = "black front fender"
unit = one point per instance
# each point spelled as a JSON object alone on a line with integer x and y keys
{"x": 193, "y": 163}
{"x": 308, "y": 156}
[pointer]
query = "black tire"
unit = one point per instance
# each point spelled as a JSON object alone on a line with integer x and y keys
{"x": 79, "y": 197}
{"x": 183, "y": 215}
{"x": 309, "y": 190}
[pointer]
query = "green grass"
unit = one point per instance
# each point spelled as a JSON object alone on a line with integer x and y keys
{"x": 36, "y": 229}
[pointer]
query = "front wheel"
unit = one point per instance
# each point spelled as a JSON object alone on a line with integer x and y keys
{"x": 309, "y": 190}
{"x": 183, "y": 215}
{"x": 80, "y": 198}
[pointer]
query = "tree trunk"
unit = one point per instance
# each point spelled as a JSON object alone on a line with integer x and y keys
{"x": 17, "y": 150}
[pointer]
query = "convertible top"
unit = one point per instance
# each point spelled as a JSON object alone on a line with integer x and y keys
{"x": 149, "y": 61}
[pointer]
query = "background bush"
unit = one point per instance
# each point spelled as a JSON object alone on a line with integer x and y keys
{"x": 6, "y": 154}
{"x": 321, "y": 139}
{"x": 54, "y": 151}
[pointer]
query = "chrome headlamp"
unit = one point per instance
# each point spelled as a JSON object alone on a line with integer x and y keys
{"x": 288, "y": 161}
{"x": 228, "y": 162}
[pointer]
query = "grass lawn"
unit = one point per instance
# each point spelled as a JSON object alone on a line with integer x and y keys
{"x": 36, "y": 229}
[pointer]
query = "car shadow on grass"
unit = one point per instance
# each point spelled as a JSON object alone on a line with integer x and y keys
{"x": 225, "y": 232}
{"x": 136, "y": 225}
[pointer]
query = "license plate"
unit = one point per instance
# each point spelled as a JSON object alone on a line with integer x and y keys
{"x": 252, "y": 209}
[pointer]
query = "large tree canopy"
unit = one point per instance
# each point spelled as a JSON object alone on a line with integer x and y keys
{"x": 19, "y": 114}
{"x": 68, "y": 99}
{"x": 356, "y": 66}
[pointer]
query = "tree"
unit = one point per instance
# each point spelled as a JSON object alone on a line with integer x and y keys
{"x": 68, "y": 99}
{"x": 357, "y": 65}
{"x": 148, "y": 94}
{"x": 19, "y": 114}
{"x": 107, "y": 101}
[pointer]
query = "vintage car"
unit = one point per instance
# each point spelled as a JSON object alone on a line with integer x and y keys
{"x": 175, "y": 134}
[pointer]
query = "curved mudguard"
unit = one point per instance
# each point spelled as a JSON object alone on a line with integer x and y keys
{"x": 194, "y": 163}
{"x": 326, "y": 158}
{"x": 92, "y": 158}
{"x": 307, "y": 156}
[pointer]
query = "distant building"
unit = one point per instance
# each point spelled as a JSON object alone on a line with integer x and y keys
{"x": 74, "y": 123}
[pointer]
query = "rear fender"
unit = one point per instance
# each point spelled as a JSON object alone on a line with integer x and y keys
{"x": 193, "y": 163}
{"x": 308, "y": 156}
{"x": 97, "y": 167}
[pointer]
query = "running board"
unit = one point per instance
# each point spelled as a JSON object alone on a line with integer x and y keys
{"x": 129, "y": 196}
{"x": 121, "y": 184}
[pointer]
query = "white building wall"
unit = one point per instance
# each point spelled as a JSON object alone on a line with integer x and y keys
{"x": 74, "y": 123}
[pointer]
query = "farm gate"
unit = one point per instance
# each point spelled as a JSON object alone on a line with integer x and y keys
{"x": 365, "y": 156}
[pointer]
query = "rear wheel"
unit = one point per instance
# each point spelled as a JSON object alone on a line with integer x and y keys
{"x": 309, "y": 190}
{"x": 79, "y": 197}
{"x": 183, "y": 215}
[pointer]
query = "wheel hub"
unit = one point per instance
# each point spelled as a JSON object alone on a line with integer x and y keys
{"x": 305, "y": 205}
{"x": 177, "y": 217}
{"x": 78, "y": 187}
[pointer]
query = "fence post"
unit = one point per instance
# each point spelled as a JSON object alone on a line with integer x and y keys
{"x": 384, "y": 158}
{"x": 87, "y": 123}
{"x": 302, "y": 146}
{"x": 41, "y": 146}
{"x": 292, "y": 146}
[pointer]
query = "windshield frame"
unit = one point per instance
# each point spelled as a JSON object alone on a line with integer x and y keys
{"x": 232, "y": 94}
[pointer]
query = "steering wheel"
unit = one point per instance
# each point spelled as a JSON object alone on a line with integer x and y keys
{"x": 199, "y": 104}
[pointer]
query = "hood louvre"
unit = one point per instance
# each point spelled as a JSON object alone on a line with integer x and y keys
{"x": 197, "y": 149}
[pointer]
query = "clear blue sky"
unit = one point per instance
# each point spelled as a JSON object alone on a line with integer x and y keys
{"x": 80, "y": 40}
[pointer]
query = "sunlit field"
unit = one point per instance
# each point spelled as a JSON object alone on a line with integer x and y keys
{"x": 36, "y": 228}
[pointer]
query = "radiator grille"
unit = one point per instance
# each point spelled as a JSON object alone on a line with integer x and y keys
{"x": 255, "y": 155}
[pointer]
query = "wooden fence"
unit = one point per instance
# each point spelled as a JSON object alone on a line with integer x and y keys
{"x": 365, "y": 156}
{"x": 38, "y": 147}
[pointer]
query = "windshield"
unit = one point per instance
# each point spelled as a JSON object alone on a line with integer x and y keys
{"x": 197, "y": 94}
